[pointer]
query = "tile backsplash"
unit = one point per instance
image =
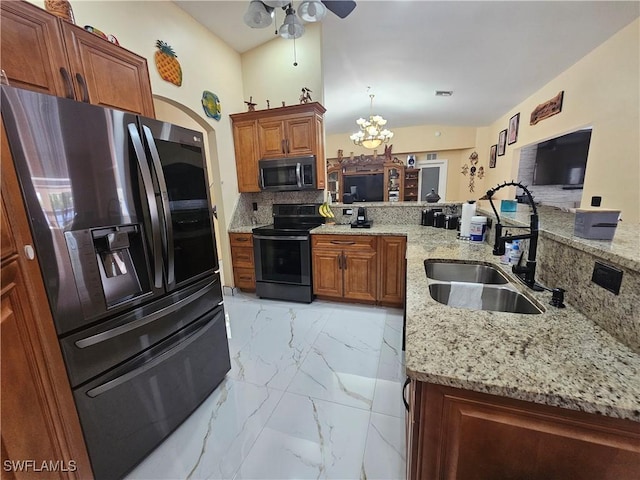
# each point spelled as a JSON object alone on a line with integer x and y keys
{"x": 560, "y": 265}
{"x": 244, "y": 215}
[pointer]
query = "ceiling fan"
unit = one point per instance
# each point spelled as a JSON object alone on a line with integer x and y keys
{"x": 260, "y": 13}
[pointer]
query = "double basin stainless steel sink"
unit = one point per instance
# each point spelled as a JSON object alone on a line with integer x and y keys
{"x": 494, "y": 289}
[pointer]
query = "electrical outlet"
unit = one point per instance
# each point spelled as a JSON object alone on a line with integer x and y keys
{"x": 347, "y": 211}
{"x": 255, "y": 206}
{"x": 608, "y": 277}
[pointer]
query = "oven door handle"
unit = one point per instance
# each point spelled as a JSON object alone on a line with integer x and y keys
{"x": 299, "y": 174}
{"x": 280, "y": 237}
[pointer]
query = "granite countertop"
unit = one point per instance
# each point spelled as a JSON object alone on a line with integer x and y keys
{"x": 557, "y": 358}
{"x": 558, "y": 225}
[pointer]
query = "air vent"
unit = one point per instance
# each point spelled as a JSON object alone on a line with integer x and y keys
{"x": 444, "y": 93}
{"x": 432, "y": 156}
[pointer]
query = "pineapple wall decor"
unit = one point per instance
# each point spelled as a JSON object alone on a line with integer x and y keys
{"x": 167, "y": 64}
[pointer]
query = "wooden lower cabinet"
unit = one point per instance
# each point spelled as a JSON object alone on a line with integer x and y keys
{"x": 345, "y": 267}
{"x": 38, "y": 415}
{"x": 392, "y": 270}
{"x": 458, "y": 434}
{"x": 244, "y": 275}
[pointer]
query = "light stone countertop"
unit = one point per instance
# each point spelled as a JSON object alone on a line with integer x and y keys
{"x": 558, "y": 225}
{"x": 557, "y": 358}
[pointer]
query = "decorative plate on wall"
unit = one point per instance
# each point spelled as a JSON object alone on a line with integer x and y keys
{"x": 211, "y": 105}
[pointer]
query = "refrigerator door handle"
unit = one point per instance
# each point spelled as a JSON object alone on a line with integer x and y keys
{"x": 151, "y": 201}
{"x": 157, "y": 166}
{"x": 127, "y": 327}
{"x": 168, "y": 353}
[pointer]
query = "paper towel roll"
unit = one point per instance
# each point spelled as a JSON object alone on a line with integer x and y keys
{"x": 468, "y": 211}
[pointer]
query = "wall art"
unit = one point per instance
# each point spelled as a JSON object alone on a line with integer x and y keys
{"x": 167, "y": 64}
{"x": 547, "y": 109}
{"x": 211, "y": 105}
{"x": 502, "y": 142}
{"x": 492, "y": 156}
{"x": 514, "y": 123}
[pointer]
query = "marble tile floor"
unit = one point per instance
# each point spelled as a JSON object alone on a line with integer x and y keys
{"x": 314, "y": 392}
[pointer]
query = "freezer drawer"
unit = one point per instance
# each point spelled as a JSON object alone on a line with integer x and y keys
{"x": 130, "y": 410}
{"x": 95, "y": 350}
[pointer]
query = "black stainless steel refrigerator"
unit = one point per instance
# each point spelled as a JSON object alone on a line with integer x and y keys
{"x": 120, "y": 214}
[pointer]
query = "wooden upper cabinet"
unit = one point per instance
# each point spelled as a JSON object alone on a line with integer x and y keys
{"x": 33, "y": 51}
{"x": 271, "y": 139}
{"x": 44, "y": 53}
{"x": 287, "y": 137}
{"x": 293, "y": 131}
{"x": 246, "y": 149}
{"x": 106, "y": 74}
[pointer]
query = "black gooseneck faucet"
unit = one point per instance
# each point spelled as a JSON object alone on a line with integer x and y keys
{"x": 526, "y": 273}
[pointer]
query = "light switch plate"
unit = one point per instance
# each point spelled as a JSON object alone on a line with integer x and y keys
{"x": 347, "y": 211}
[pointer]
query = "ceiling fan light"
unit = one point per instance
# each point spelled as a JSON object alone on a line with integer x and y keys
{"x": 312, "y": 11}
{"x": 277, "y": 3}
{"x": 291, "y": 28}
{"x": 257, "y": 15}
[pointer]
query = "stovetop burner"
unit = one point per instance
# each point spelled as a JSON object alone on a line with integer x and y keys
{"x": 292, "y": 219}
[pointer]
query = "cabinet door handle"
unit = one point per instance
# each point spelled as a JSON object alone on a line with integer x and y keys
{"x": 67, "y": 83}
{"x": 286, "y": 142}
{"x": 340, "y": 262}
{"x": 282, "y": 147}
{"x": 343, "y": 242}
{"x": 83, "y": 87}
{"x": 404, "y": 396}
{"x": 344, "y": 261}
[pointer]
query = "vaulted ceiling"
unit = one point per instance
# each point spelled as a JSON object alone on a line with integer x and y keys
{"x": 493, "y": 55}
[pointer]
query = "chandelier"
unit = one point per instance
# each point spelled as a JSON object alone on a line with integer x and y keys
{"x": 260, "y": 15}
{"x": 372, "y": 132}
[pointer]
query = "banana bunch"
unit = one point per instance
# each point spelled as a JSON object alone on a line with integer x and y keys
{"x": 325, "y": 211}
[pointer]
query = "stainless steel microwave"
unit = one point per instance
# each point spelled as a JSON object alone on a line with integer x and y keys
{"x": 286, "y": 174}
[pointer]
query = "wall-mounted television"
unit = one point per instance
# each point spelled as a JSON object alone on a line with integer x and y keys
{"x": 367, "y": 187}
{"x": 563, "y": 160}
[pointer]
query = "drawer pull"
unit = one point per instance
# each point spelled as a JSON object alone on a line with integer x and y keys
{"x": 343, "y": 242}
{"x": 242, "y": 239}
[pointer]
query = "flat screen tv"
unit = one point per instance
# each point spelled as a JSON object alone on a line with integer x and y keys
{"x": 367, "y": 187}
{"x": 563, "y": 160}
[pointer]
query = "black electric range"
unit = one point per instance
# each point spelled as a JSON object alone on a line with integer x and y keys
{"x": 282, "y": 253}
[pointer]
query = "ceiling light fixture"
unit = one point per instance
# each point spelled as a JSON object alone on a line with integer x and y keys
{"x": 372, "y": 132}
{"x": 291, "y": 28}
{"x": 260, "y": 15}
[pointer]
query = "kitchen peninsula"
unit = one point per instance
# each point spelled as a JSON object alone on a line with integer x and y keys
{"x": 473, "y": 371}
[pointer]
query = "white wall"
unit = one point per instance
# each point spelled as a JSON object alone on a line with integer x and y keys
{"x": 268, "y": 72}
{"x": 601, "y": 90}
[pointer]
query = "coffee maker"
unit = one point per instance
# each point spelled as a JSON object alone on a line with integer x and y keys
{"x": 361, "y": 219}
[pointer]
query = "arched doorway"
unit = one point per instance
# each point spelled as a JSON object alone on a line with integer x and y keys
{"x": 168, "y": 110}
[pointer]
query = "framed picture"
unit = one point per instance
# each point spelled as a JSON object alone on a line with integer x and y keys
{"x": 502, "y": 142}
{"x": 492, "y": 156}
{"x": 514, "y": 123}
